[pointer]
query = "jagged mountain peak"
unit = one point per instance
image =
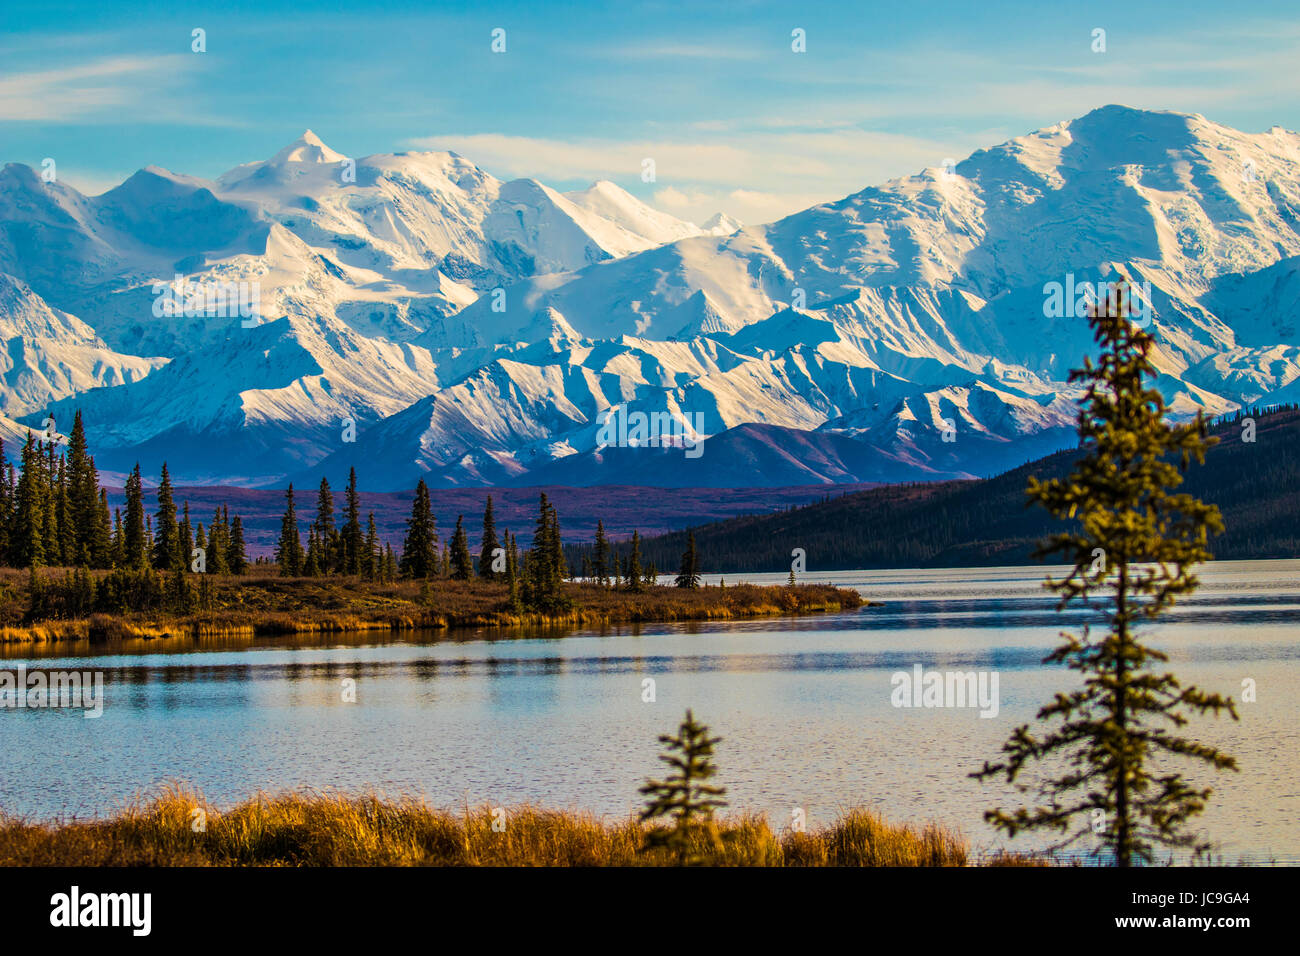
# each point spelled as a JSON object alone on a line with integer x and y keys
{"x": 513, "y": 315}
{"x": 307, "y": 148}
{"x": 720, "y": 224}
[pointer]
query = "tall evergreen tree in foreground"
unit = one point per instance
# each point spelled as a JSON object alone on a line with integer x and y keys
{"x": 1132, "y": 552}
{"x": 685, "y": 796}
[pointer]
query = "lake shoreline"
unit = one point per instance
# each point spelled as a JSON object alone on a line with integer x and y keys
{"x": 271, "y": 606}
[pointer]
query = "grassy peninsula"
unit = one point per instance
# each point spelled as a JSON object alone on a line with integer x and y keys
{"x": 262, "y": 602}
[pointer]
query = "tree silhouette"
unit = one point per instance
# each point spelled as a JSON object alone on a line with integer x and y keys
{"x": 684, "y": 795}
{"x": 1133, "y": 549}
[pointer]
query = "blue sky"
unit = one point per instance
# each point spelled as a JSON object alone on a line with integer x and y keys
{"x": 734, "y": 119}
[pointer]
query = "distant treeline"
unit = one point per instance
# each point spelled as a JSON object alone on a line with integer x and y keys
{"x": 1253, "y": 475}
{"x": 533, "y": 577}
{"x": 54, "y": 513}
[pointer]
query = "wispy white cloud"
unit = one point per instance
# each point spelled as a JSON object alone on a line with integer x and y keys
{"x": 754, "y": 175}
{"x": 154, "y": 89}
{"x": 85, "y": 91}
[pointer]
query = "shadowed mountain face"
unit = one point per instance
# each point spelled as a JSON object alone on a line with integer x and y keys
{"x": 417, "y": 317}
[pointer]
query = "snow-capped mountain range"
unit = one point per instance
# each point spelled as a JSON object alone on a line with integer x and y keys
{"x": 417, "y": 316}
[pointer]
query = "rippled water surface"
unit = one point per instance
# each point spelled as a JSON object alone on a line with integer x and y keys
{"x": 804, "y": 707}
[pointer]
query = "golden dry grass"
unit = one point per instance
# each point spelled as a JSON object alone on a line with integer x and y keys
{"x": 263, "y": 603}
{"x": 308, "y": 829}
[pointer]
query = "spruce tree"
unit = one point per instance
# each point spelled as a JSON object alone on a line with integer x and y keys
{"x": 182, "y": 595}
{"x": 29, "y": 508}
{"x": 514, "y": 598}
{"x": 186, "y": 547}
{"x": 685, "y": 796}
{"x": 219, "y": 544}
{"x": 487, "y": 552}
{"x": 324, "y": 528}
{"x": 544, "y": 569}
{"x": 119, "y": 540}
{"x": 556, "y": 561}
{"x": 50, "y": 537}
{"x": 101, "y": 538}
{"x": 6, "y": 509}
{"x": 537, "y": 572}
{"x": 166, "y": 538}
{"x": 1132, "y": 545}
{"x": 67, "y": 539}
{"x": 312, "y": 564}
{"x": 419, "y": 550}
{"x": 689, "y": 574}
{"x": 370, "y": 551}
{"x": 236, "y": 556}
{"x": 462, "y": 562}
{"x": 601, "y": 560}
{"x": 288, "y": 551}
{"x": 136, "y": 553}
{"x": 50, "y": 530}
{"x": 633, "y": 574}
{"x": 353, "y": 544}
{"x": 83, "y": 497}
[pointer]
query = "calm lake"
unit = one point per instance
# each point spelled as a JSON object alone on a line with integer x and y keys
{"x": 558, "y": 719}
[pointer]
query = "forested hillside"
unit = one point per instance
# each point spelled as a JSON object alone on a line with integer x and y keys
{"x": 1256, "y": 485}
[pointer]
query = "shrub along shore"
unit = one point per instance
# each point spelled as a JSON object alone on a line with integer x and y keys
{"x": 181, "y": 829}
{"x": 264, "y": 603}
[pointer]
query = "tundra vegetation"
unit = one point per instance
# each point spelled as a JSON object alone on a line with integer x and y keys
{"x": 179, "y": 828}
